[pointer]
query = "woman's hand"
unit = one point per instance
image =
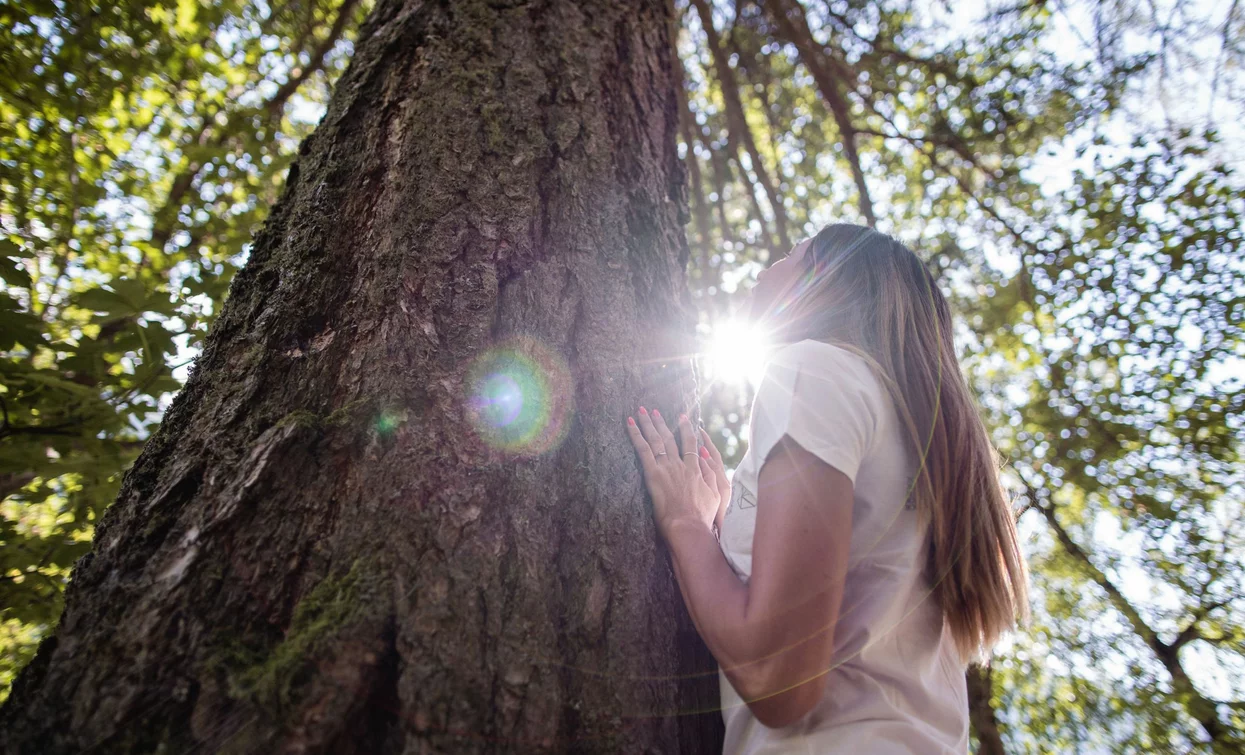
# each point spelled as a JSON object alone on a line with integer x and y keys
{"x": 720, "y": 482}
{"x": 683, "y": 485}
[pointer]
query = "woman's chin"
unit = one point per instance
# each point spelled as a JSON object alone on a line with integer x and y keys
{"x": 758, "y": 316}
{"x": 745, "y": 313}
{"x": 753, "y": 312}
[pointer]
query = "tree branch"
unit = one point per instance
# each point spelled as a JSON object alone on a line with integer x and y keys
{"x": 700, "y": 206}
{"x": 797, "y": 33}
{"x": 1191, "y": 632}
{"x": 1121, "y": 604}
{"x": 161, "y": 234}
{"x": 721, "y": 177}
{"x": 737, "y": 128}
{"x": 14, "y": 481}
{"x": 1222, "y": 738}
{"x": 318, "y": 54}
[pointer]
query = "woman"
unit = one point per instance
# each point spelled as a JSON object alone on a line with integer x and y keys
{"x": 864, "y": 551}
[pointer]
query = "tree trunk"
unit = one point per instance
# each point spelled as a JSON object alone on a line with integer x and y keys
{"x": 981, "y": 710}
{"x": 394, "y": 508}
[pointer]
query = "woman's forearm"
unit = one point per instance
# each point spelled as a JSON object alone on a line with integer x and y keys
{"x": 773, "y": 636}
{"x": 754, "y": 654}
{"x": 715, "y": 597}
{"x": 763, "y": 659}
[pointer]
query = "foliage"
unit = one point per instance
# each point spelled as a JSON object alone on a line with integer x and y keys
{"x": 1121, "y": 417}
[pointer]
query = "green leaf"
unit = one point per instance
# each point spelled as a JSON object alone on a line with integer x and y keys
{"x": 18, "y": 328}
{"x": 15, "y": 275}
{"x": 106, "y": 301}
{"x": 15, "y": 251}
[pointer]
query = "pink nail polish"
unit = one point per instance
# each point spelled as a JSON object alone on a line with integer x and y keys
{"x": 704, "y": 452}
{"x": 657, "y": 414}
{"x": 643, "y": 410}
{"x": 631, "y": 421}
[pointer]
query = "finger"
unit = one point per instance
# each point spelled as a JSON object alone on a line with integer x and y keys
{"x": 641, "y": 446}
{"x": 687, "y": 442}
{"x": 715, "y": 461}
{"x": 715, "y": 457}
{"x": 713, "y": 450}
{"x": 650, "y": 434}
{"x": 714, "y": 469}
{"x": 706, "y": 472}
{"x": 667, "y": 437}
{"x": 687, "y": 436}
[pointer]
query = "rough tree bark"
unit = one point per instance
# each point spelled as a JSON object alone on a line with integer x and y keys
{"x": 393, "y": 510}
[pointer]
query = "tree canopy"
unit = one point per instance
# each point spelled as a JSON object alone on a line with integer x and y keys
{"x": 1068, "y": 169}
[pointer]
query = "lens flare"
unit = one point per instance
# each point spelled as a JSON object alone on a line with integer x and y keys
{"x": 520, "y": 397}
{"x": 388, "y": 421}
{"x": 499, "y": 400}
{"x": 736, "y": 353}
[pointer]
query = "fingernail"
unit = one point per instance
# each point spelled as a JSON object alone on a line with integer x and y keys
{"x": 704, "y": 452}
{"x": 631, "y": 421}
{"x": 643, "y": 410}
{"x": 683, "y": 418}
{"x": 657, "y": 414}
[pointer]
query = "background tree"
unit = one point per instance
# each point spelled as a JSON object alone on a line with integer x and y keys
{"x": 1066, "y": 167}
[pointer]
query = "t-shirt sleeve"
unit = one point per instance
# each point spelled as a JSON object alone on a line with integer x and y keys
{"x": 825, "y": 398}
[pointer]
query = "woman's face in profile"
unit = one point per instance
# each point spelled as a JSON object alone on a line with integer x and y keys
{"x": 778, "y": 285}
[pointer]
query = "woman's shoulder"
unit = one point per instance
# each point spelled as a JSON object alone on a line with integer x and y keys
{"x": 825, "y": 397}
{"x": 825, "y": 360}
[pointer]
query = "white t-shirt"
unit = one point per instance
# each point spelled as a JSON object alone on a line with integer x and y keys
{"x": 896, "y": 685}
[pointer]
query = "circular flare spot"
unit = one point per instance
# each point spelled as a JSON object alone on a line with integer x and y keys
{"x": 388, "y": 421}
{"x": 520, "y": 397}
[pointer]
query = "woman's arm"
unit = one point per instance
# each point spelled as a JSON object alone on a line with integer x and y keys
{"x": 774, "y": 636}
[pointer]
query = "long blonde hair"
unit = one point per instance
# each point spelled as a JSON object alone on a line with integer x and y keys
{"x": 868, "y": 292}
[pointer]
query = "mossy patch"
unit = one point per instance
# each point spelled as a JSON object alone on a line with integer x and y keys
{"x": 272, "y": 677}
{"x": 349, "y": 413}
{"x": 300, "y": 418}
